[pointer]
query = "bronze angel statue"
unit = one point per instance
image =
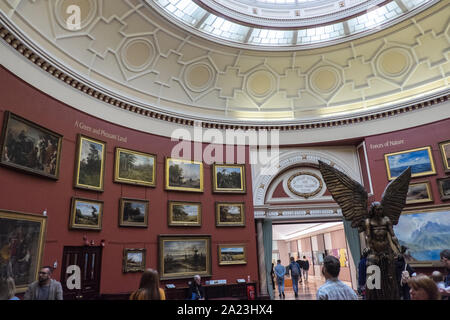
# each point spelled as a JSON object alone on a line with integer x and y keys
{"x": 376, "y": 222}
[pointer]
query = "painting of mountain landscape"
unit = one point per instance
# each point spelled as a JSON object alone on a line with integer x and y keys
{"x": 424, "y": 234}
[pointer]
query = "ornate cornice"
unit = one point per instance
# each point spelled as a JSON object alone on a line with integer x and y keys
{"x": 59, "y": 72}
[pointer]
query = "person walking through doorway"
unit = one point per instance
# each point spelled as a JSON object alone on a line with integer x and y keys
{"x": 280, "y": 272}
{"x": 295, "y": 271}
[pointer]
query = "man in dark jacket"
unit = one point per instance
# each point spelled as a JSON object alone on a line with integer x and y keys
{"x": 45, "y": 288}
{"x": 294, "y": 269}
{"x": 305, "y": 268}
{"x": 196, "y": 290}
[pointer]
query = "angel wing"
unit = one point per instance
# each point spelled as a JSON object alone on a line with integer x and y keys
{"x": 349, "y": 195}
{"x": 394, "y": 196}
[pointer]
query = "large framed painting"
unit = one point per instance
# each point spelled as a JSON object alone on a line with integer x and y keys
{"x": 133, "y": 260}
{"x": 22, "y": 239}
{"x": 90, "y": 163}
{"x": 135, "y": 167}
{"x": 419, "y": 192}
{"x": 86, "y": 214}
{"x": 444, "y": 147}
{"x": 230, "y": 254}
{"x": 229, "y": 178}
{"x": 425, "y": 233}
{"x": 184, "y": 214}
{"x": 133, "y": 213}
{"x": 183, "y": 256}
{"x": 29, "y": 147}
{"x": 230, "y": 214}
{"x": 184, "y": 175}
{"x": 444, "y": 188}
{"x": 420, "y": 160}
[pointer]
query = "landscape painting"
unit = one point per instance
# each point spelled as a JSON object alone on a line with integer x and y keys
{"x": 445, "y": 153}
{"x": 22, "y": 239}
{"x": 230, "y": 214}
{"x": 134, "y": 167}
{"x": 133, "y": 213}
{"x": 133, "y": 260}
{"x": 232, "y": 254}
{"x": 184, "y": 214}
{"x": 86, "y": 214}
{"x": 228, "y": 178}
{"x": 444, "y": 188}
{"x": 184, "y": 256}
{"x": 90, "y": 164}
{"x": 419, "y": 192}
{"x": 29, "y": 147}
{"x": 184, "y": 175}
{"x": 420, "y": 160}
{"x": 425, "y": 234}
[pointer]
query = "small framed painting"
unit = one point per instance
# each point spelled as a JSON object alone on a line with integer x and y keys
{"x": 230, "y": 214}
{"x": 86, "y": 214}
{"x": 444, "y": 147}
{"x": 420, "y": 160}
{"x": 444, "y": 188}
{"x": 135, "y": 167}
{"x": 133, "y": 213}
{"x": 90, "y": 163}
{"x": 184, "y": 214}
{"x": 184, "y": 175}
{"x": 133, "y": 260}
{"x": 229, "y": 178}
{"x": 419, "y": 192}
{"x": 232, "y": 254}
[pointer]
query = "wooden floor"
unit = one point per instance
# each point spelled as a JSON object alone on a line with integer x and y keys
{"x": 306, "y": 290}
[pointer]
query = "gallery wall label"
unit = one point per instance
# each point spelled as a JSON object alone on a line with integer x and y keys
{"x": 101, "y": 132}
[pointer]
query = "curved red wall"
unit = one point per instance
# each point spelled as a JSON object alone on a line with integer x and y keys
{"x": 27, "y": 193}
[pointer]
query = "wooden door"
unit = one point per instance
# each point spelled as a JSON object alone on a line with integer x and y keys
{"x": 89, "y": 260}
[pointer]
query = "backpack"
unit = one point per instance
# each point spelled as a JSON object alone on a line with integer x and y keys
{"x": 295, "y": 269}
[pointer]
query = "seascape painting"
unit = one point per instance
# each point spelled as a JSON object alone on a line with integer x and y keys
{"x": 425, "y": 234}
{"x": 419, "y": 192}
{"x": 420, "y": 160}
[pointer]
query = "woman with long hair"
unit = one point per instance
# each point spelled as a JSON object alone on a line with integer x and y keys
{"x": 149, "y": 287}
{"x": 423, "y": 288}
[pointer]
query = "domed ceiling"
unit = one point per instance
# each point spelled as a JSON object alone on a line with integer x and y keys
{"x": 134, "y": 55}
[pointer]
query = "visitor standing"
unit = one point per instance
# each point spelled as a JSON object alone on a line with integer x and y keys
{"x": 280, "y": 272}
{"x": 334, "y": 289}
{"x": 45, "y": 288}
{"x": 295, "y": 271}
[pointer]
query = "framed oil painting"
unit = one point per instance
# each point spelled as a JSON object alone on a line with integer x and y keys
{"x": 183, "y": 256}
{"x": 22, "y": 238}
{"x": 444, "y": 188}
{"x": 444, "y": 147}
{"x": 229, "y": 178}
{"x": 86, "y": 214}
{"x": 135, "y": 167}
{"x": 419, "y": 192}
{"x": 184, "y": 175}
{"x": 90, "y": 163}
{"x": 230, "y": 254}
{"x": 133, "y": 260}
{"x": 184, "y": 214}
{"x": 425, "y": 233}
{"x": 420, "y": 160}
{"x": 29, "y": 147}
{"x": 230, "y": 214}
{"x": 133, "y": 213}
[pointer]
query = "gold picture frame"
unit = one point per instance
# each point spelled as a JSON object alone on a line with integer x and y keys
{"x": 135, "y": 167}
{"x": 231, "y": 254}
{"x": 86, "y": 214}
{"x": 230, "y": 214}
{"x": 444, "y": 147}
{"x": 134, "y": 260}
{"x": 183, "y": 256}
{"x": 133, "y": 212}
{"x": 420, "y": 160}
{"x": 90, "y": 163}
{"x": 225, "y": 179}
{"x": 26, "y": 232}
{"x": 184, "y": 175}
{"x": 184, "y": 214}
{"x": 444, "y": 188}
{"x": 419, "y": 192}
{"x": 29, "y": 147}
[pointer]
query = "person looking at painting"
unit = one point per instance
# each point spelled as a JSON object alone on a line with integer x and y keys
{"x": 45, "y": 288}
{"x": 334, "y": 289}
{"x": 196, "y": 290}
{"x": 280, "y": 272}
{"x": 7, "y": 289}
{"x": 149, "y": 287}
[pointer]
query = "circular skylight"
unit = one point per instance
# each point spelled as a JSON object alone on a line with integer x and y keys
{"x": 286, "y": 24}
